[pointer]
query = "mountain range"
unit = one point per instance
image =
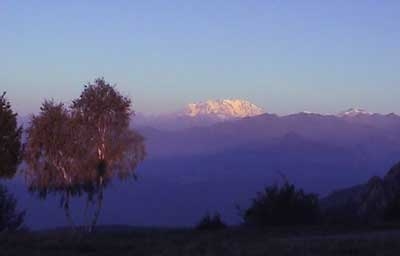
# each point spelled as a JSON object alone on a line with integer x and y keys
{"x": 201, "y": 114}
{"x": 214, "y": 163}
{"x": 212, "y": 112}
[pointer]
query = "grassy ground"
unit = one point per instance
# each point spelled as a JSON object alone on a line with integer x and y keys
{"x": 189, "y": 242}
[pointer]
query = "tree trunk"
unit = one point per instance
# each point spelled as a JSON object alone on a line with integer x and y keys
{"x": 85, "y": 215}
{"x": 68, "y": 212}
{"x": 99, "y": 207}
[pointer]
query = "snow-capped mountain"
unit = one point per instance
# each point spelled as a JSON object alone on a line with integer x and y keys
{"x": 223, "y": 109}
{"x": 353, "y": 112}
{"x": 200, "y": 114}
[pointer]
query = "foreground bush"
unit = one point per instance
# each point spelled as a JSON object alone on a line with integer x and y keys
{"x": 392, "y": 210}
{"x": 282, "y": 206}
{"x": 211, "y": 223}
{"x": 10, "y": 218}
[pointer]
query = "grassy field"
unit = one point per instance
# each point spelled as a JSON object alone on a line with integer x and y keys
{"x": 189, "y": 242}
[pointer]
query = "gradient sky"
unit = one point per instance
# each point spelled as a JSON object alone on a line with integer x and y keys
{"x": 286, "y": 56}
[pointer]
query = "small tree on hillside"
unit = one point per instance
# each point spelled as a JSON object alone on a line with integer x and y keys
{"x": 282, "y": 206}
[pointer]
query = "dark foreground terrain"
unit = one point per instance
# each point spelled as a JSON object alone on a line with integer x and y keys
{"x": 189, "y": 242}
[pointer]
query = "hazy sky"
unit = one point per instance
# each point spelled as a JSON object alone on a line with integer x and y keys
{"x": 286, "y": 56}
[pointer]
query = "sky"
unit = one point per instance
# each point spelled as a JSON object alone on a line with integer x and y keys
{"x": 285, "y": 56}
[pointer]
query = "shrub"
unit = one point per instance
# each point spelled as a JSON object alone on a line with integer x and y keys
{"x": 282, "y": 206}
{"x": 211, "y": 223}
{"x": 392, "y": 210}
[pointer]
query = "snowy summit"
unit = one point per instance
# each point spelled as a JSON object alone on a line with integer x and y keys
{"x": 353, "y": 112}
{"x": 223, "y": 109}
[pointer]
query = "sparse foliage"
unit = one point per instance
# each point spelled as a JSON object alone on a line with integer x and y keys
{"x": 282, "y": 206}
{"x": 53, "y": 151}
{"x": 78, "y": 150}
{"x": 104, "y": 115}
{"x": 54, "y": 154}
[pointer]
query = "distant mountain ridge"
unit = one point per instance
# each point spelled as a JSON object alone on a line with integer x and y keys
{"x": 374, "y": 130}
{"x": 211, "y": 112}
{"x": 353, "y": 112}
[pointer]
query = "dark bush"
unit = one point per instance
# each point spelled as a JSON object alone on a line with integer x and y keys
{"x": 392, "y": 210}
{"x": 344, "y": 216}
{"x": 10, "y": 218}
{"x": 10, "y": 140}
{"x": 282, "y": 206}
{"x": 211, "y": 223}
